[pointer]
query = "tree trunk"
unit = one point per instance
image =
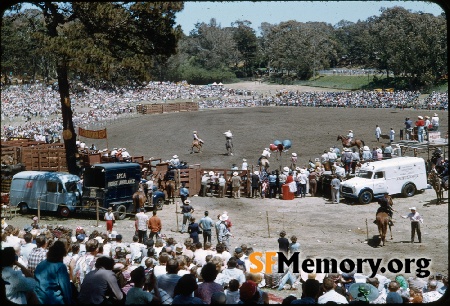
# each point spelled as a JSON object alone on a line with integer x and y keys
{"x": 69, "y": 134}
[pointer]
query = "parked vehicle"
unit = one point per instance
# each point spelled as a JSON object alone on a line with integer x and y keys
{"x": 400, "y": 175}
{"x": 55, "y": 191}
{"x": 112, "y": 185}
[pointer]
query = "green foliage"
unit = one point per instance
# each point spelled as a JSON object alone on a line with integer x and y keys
{"x": 201, "y": 76}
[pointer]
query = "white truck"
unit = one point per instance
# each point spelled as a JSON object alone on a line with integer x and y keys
{"x": 399, "y": 175}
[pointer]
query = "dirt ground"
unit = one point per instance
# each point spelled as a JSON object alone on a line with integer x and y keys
{"x": 324, "y": 230}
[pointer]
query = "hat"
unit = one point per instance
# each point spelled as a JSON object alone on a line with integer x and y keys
{"x": 99, "y": 239}
{"x": 235, "y": 174}
{"x": 178, "y": 248}
{"x": 247, "y": 290}
{"x": 379, "y": 150}
{"x": 366, "y": 148}
{"x": 113, "y": 235}
{"x": 119, "y": 237}
{"x": 413, "y": 208}
{"x": 428, "y": 117}
{"x": 28, "y": 228}
{"x": 175, "y": 156}
{"x": 286, "y": 169}
{"x": 435, "y": 115}
{"x": 81, "y": 237}
{"x": 256, "y": 172}
{"x": 302, "y": 171}
{"x": 244, "y": 159}
{"x": 298, "y": 168}
{"x": 211, "y": 173}
{"x": 223, "y": 217}
{"x": 238, "y": 250}
{"x": 144, "y": 169}
{"x": 35, "y": 219}
{"x": 118, "y": 266}
{"x": 347, "y": 149}
{"x": 74, "y": 239}
{"x": 294, "y": 154}
{"x": 109, "y": 208}
{"x": 195, "y": 132}
{"x": 187, "y": 201}
{"x": 363, "y": 292}
{"x": 331, "y": 149}
{"x": 350, "y": 131}
{"x": 420, "y": 117}
{"x": 114, "y": 149}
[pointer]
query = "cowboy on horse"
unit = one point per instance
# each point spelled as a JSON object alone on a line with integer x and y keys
{"x": 229, "y": 143}
{"x": 350, "y": 136}
{"x": 195, "y": 134}
{"x": 386, "y": 205}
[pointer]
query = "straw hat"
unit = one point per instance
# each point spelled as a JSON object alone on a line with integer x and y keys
{"x": 350, "y": 131}
{"x": 223, "y": 217}
{"x": 286, "y": 169}
{"x": 211, "y": 173}
{"x": 420, "y": 117}
{"x": 187, "y": 202}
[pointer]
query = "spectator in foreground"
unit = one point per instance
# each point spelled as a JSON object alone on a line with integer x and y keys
{"x": 183, "y": 290}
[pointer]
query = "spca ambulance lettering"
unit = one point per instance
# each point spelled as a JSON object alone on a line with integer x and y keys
{"x": 121, "y": 179}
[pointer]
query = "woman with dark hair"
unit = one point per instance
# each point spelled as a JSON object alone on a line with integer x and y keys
{"x": 52, "y": 277}
{"x": 193, "y": 230}
{"x": 206, "y": 289}
{"x": 183, "y": 291}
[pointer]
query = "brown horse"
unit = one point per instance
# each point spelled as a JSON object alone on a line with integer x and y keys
{"x": 138, "y": 200}
{"x": 355, "y": 142}
{"x": 383, "y": 223}
{"x": 438, "y": 187}
{"x": 169, "y": 187}
{"x": 196, "y": 144}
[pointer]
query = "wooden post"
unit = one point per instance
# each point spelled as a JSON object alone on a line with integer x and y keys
{"x": 367, "y": 230}
{"x": 39, "y": 209}
{"x": 176, "y": 214}
{"x": 96, "y": 208}
{"x": 268, "y": 227}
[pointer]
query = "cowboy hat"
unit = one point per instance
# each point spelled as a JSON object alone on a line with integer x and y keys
{"x": 286, "y": 169}
{"x": 235, "y": 174}
{"x": 363, "y": 292}
{"x": 366, "y": 148}
{"x": 346, "y": 150}
{"x": 187, "y": 201}
{"x": 298, "y": 168}
{"x": 428, "y": 117}
{"x": 211, "y": 173}
{"x": 244, "y": 159}
{"x": 420, "y": 117}
{"x": 227, "y": 132}
{"x": 294, "y": 154}
{"x": 223, "y": 217}
{"x": 144, "y": 169}
{"x": 435, "y": 115}
{"x": 99, "y": 239}
{"x": 113, "y": 234}
{"x": 413, "y": 208}
{"x": 350, "y": 131}
{"x": 302, "y": 171}
{"x": 331, "y": 150}
{"x": 175, "y": 156}
{"x": 195, "y": 132}
{"x": 256, "y": 172}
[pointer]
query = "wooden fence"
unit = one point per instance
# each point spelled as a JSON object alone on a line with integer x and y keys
{"x": 159, "y": 108}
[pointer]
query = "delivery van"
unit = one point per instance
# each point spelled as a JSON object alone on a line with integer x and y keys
{"x": 56, "y": 191}
{"x": 399, "y": 175}
{"x": 112, "y": 185}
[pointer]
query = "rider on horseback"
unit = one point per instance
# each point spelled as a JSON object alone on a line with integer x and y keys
{"x": 386, "y": 206}
{"x": 196, "y": 137}
{"x": 229, "y": 138}
{"x": 350, "y": 136}
{"x": 265, "y": 154}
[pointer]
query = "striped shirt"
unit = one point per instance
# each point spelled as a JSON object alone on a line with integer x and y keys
{"x": 36, "y": 256}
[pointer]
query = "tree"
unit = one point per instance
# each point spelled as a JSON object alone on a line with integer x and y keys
{"x": 105, "y": 41}
{"x": 246, "y": 43}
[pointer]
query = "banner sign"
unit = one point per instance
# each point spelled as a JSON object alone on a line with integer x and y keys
{"x": 100, "y": 134}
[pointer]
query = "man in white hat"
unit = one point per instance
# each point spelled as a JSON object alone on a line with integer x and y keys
{"x": 435, "y": 122}
{"x": 206, "y": 179}
{"x": 347, "y": 159}
{"x": 350, "y": 136}
{"x": 195, "y": 134}
{"x": 175, "y": 161}
{"x": 293, "y": 160}
{"x": 186, "y": 211}
{"x": 420, "y": 128}
{"x": 223, "y": 233}
{"x": 236, "y": 185}
{"x": 332, "y": 156}
{"x": 125, "y": 155}
{"x": 244, "y": 164}
{"x": 256, "y": 182}
{"x": 229, "y": 141}
{"x": 415, "y": 218}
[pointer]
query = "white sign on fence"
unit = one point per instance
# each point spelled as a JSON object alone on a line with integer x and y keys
{"x": 434, "y": 137}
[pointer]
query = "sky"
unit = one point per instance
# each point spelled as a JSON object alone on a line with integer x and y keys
{"x": 275, "y": 12}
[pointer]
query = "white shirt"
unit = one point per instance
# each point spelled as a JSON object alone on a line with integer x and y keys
{"x": 332, "y": 296}
{"x": 244, "y": 166}
{"x": 414, "y": 217}
{"x": 431, "y": 296}
{"x": 126, "y": 154}
{"x": 435, "y": 121}
{"x": 235, "y": 273}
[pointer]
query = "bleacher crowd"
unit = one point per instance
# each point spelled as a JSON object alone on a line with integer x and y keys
{"x": 28, "y": 110}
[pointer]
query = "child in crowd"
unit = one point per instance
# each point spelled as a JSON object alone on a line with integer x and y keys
{"x": 232, "y": 292}
{"x": 283, "y": 243}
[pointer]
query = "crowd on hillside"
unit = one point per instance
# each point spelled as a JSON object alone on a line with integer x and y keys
{"x": 38, "y": 105}
{"x": 42, "y": 264}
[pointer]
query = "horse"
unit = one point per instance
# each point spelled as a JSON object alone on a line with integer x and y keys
{"x": 438, "y": 187}
{"x": 229, "y": 146}
{"x": 169, "y": 187}
{"x": 383, "y": 223}
{"x": 196, "y": 144}
{"x": 139, "y": 200}
{"x": 263, "y": 163}
{"x": 355, "y": 142}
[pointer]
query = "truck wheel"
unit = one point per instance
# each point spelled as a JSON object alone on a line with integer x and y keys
{"x": 64, "y": 211}
{"x": 159, "y": 204}
{"x": 121, "y": 211}
{"x": 23, "y": 208}
{"x": 409, "y": 190}
{"x": 365, "y": 197}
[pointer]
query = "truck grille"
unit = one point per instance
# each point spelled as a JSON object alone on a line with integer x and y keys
{"x": 346, "y": 189}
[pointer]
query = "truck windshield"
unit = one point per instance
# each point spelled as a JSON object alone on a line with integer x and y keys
{"x": 94, "y": 177}
{"x": 71, "y": 186}
{"x": 365, "y": 174}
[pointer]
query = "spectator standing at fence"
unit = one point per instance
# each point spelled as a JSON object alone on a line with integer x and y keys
{"x": 236, "y": 185}
{"x": 408, "y": 128}
{"x": 110, "y": 219}
{"x": 377, "y": 133}
{"x": 391, "y": 135}
{"x": 206, "y": 224}
{"x": 435, "y": 122}
{"x": 184, "y": 192}
{"x": 420, "y": 124}
{"x": 415, "y": 218}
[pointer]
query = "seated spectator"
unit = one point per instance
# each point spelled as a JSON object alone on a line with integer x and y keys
{"x": 310, "y": 292}
{"x": 183, "y": 290}
{"x": 168, "y": 281}
{"x": 137, "y": 296}
{"x": 432, "y": 294}
{"x": 232, "y": 292}
{"x": 330, "y": 294}
{"x": 208, "y": 287}
{"x": 232, "y": 272}
{"x": 393, "y": 297}
{"x": 248, "y": 293}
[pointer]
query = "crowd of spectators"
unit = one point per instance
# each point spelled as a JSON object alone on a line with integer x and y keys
{"x": 31, "y": 109}
{"x": 50, "y": 265}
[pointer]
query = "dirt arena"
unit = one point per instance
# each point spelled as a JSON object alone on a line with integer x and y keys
{"x": 324, "y": 230}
